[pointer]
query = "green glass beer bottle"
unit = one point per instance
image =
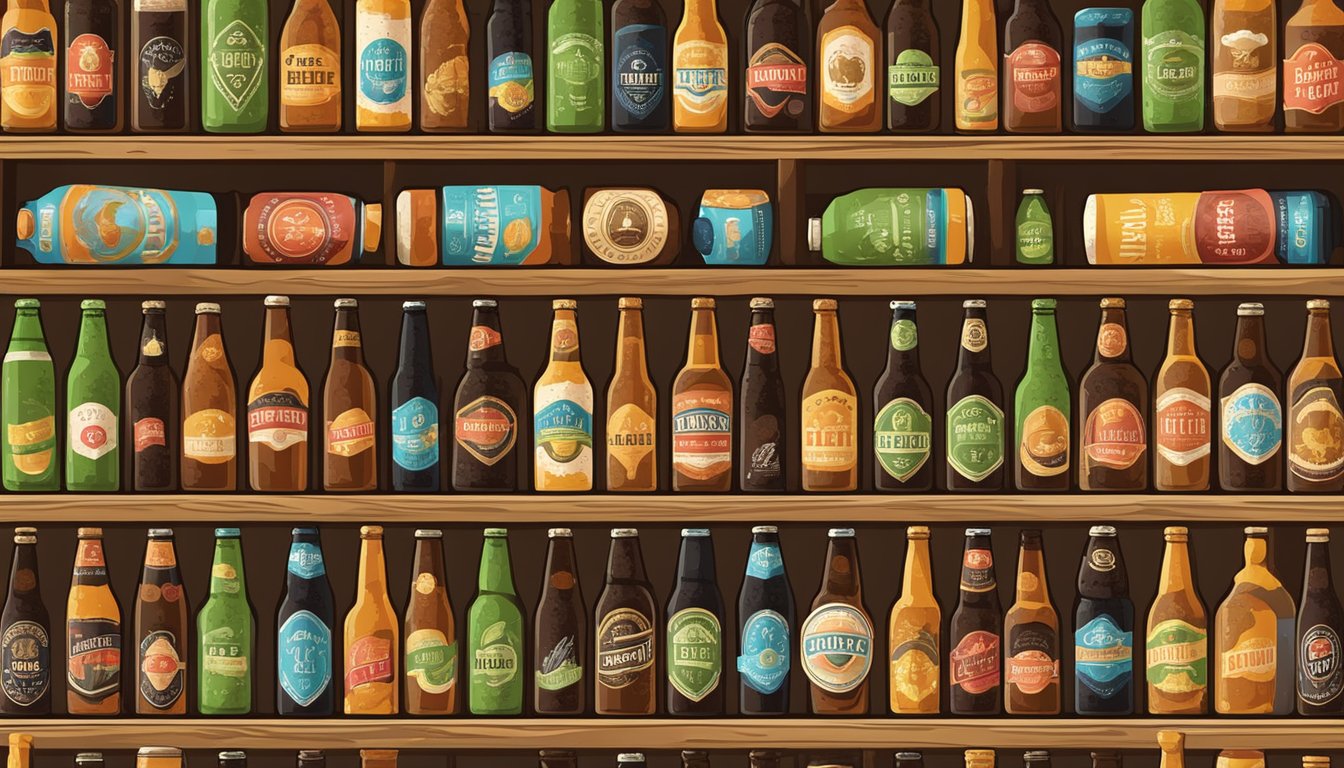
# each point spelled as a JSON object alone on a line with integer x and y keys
{"x": 576, "y": 67}
{"x": 235, "y": 96}
{"x": 1042, "y": 409}
{"x": 1173, "y": 66}
{"x": 93, "y": 397}
{"x": 1035, "y": 229}
{"x": 28, "y": 395}
{"x": 495, "y": 633}
{"x": 225, "y": 632}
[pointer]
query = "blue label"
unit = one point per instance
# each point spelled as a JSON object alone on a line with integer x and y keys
{"x": 1103, "y": 73}
{"x": 511, "y": 67}
{"x": 490, "y": 225}
{"x": 1302, "y": 231}
{"x": 382, "y": 71}
{"x": 764, "y": 561}
{"x": 1103, "y": 656}
{"x": 563, "y": 421}
{"x": 88, "y": 224}
{"x": 764, "y": 663}
{"x": 304, "y": 657}
{"x": 305, "y": 560}
{"x": 1252, "y": 423}
{"x": 415, "y": 434}
{"x": 639, "y": 69}
{"x": 738, "y": 229}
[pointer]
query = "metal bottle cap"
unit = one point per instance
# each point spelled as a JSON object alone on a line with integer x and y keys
{"x": 276, "y": 301}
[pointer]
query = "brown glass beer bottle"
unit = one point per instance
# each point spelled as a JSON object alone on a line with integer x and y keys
{"x": 1250, "y": 419}
{"x": 431, "y": 636}
{"x": 837, "y": 636}
{"x": 1031, "y": 70}
{"x": 349, "y": 408}
{"x": 160, "y": 639}
{"x": 830, "y": 410}
{"x": 626, "y": 646}
{"x": 975, "y": 422}
{"x": 1031, "y": 637}
{"x": 1315, "y": 433}
{"x": 1113, "y": 401}
{"x": 702, "y": 410}
{"x": 976, "y": 632}
{"x": 632, "y": 408}
{"x": 209, "y": 409}
{"x": 151, "y": 400}
{"x": 1182, "y": 422}
{"x": 277, "y": 410}
{"x": 560, "y": 633}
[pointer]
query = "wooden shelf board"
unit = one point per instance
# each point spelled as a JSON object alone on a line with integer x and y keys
{"x": 732, "y": 281}
{"x": 664, "y": 508}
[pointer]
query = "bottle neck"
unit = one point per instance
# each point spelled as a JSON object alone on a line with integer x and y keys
{"x": 346, "y": 342}
{"x": 1318, "y": 568}
{"x": 1181, "y": 334}
{"x": 92, "y": 335}
{"x": 700, "y": 11}
{"x": 826, "y": 341}
{"x": 1250, "y": 345}
{"x": 625, "y": 562}
{"x": 630, "y": 351}
{"x": 429, "y": 559}
{"x": 1256, "y": 550}
{"x": 917, "y": 582}
{"x": 154, "y": 339}
{"x": 1044, "y": 345}
{"x": 1112, "y": 337}
{"x": 305, "y": 559}
{"x": 1318, "y": 342}
{"x": 565, "y": 337}
{"x": 372, "y": 569}
{"x": 278, "y": 348}
{"x": 1176, "y": 568}
{"x": 703, "y": 349}
{"x": 842, "y": 568}
{"x": 486, "y": 342}
{"x": 696, "y": 561}
{"x": 90, "y": 565}
{"x": 903, "y": 342}
{"x": 560, "y": 561}
{"x": 761, "y": 345}
{"x": 415, "y": 350}
{"x": 228, "y": 581}
{"x": 1031, "y": 563}
{"x": 974, "y": 350}
{"x": 495, "y": 575}
{"x": 23, "y": 572}
{"x": 28, "y": 327}
{"x": 207, "y": 325}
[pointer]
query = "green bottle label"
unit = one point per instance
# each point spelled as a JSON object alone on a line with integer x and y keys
{"x": 974, "y": 437}
{"x": 902, "y": 437}
{"x": 1174, "y": 66}
{"x": 237, "y": 63}
{"x": 694, "y": 652}
{"x": 495, "y": 661}
{"x": 224, "y": 653}
{"x": 431, "y": 661}
{"x": 913, "y": 78}
{"x": 1178, "y": 657}
{"x": 1035, "y": 232}
{"x": 904, "y": 335}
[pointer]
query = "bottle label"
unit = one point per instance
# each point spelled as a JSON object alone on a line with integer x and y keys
{"x": 702, "y": 433}
{"x": 305, "y": 560}
{"x": 837, "y": 646}
{"x": 383, "y": 67}
{"x": 310, "y": 75}
{"x": 830, "y": 425}
{"x": 1032, "y": 662}
{"x": 1035, "y": 236}
{"x": 445, "y": 89}
{"x": 1254, "y": 657}
{"x": 625, "y": 226}
{"x": 1312, "y": 77}
{"x": 223, "y": 652}
{"x": 483, "y": 337}
{"x": 93, "y": 656}
{"x": 32, "y": 444}
{"x": 564, "y": 430}
{"x": 28, "y": 72}
{"x": 300, "y": 228}
{"x": 415, "y": 434}
{"x": 237, "y": 63}
{"x": 486, "y": 428}
{"x": 150, "y": 432}
{"x": 1114, "y": 434}
{"x": 847, "y": 69}
{"x": 209, "y": 436}
{"x": 89, "y": 74}
{"x": 1319, "y": 677}
{"x": 560, "y": 667}
{"x": 975, "y": 437}
{"x": 974, "y": 335}
{"x": 1103, "y": 73}
{"x": 1252, "y": 423}
{"x": 1103, "y": 656}
{"x": 977, "y": 571}
{"x": 278, "y": 420}
{"x": 904, "y": 335}
{"x": 92, "y": 430}
{"x": 701, "y": 75}
{"x": 1183, "y": 421}
{"x": 914, "y": 665}
{"x": 624, "y": 647}
{"x": 1112, "y": 339}
{"x": 761, "y": 338}
{"x": 304, "y": 654}
{"x": 975, "y": 662}
{"x": 577, "y": 64}
{"x": 350, "y": 433}
{"x": 1316, "y": 436}
{"x": 368, "y": 661}
{"x": 1044, "y": 450}
{"x": 510, "y": 81}
{"x": 776, "y": 79}
{"x": 162, "y": 61}
{"x": 431, "y": 661}
{"x": 630, "y": 436}
{"x": 764, "y": 561}
{"x": 978, "y": 97}
{"x": 764, "y": 661}
{"x": 1252, "y": 72}
{"x": 902, "y": 438}
{"x": 694, "y": 652}
{"x": 1033, "y": 69}
{"x": 1178, "y": 657}
{"x": 763, "y": 463}
{"x": 913, "y": 78}
{"x": 162, "y": 672}
{"x": 1174, "y": 66}
{"x": 638, "y": 68}
{"x": 26, "y": 650}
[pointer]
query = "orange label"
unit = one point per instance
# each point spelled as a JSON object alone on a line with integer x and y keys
{"x": 350, "y": 433}
{"x": 829, "y": 426}
{"x": 1114, "y": 434}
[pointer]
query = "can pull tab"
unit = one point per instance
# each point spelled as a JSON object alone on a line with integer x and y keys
{"x": 702, "y": 235}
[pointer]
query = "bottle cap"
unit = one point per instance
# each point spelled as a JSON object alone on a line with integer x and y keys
{"x": 1113, "y": 302}
{"x": 1182, "y": 304}
{"x": 207, "y": 308}
{"x": 841, "y": 533}
{"x": 1318, "y": 304}
{"x": 1033, "y": 191}
{"x": 346, "y": 303}
{"x": 88, "y": 757}
{"x": 917, "y": 532}
{"x": 94, "y": 304}
{"x": 824, "y": 305}
{"x": 974, "y": 304}
{"x": 977, "y": 532}
{"x": 630, "y": 302}
{"x": 903, "y": 304}
{"x": 1101, "y": 530}
{"x": 371, "y": 532}
{"x": 814, "y": 234}
{"x": 28, "y": 304}
{"x": 227, "y": 533}
{"x": 559, "y": 533}
{"x": 413, "y": 306}
{"x": 1250, "y": 309}
{"x": 276, "y": 301}
{"x": 909, "y": 756}
{"x": 233, "y": 754}
{"x": 154, "y": 305}
{"x": 761, "y": 302}
{"x": 702, "y": 302}
{"x": 630, "y": 757}
{"x": 25, "y": 535}
{"x": 428, "y": 533}
{"x": 1318, "y": 535}
{"x": 97, "y": 533}
{"x": 1044, "y": 304}
{"x": 624, "y": 533}
{"x": 1256, "y": 530}
{"x": 484, "y": 304}
{"x": 160, "y": 533}
{"x": 496, "y": 533}
{"x": 312, "y": 755}
{"x": 564, "y": 304}
{"x": 172, "y": 752}
{"x": 304, "y": 530}
{"x": 1175, "y": 532}
{"x": 1035, "y": 755}
{"x": 694, "y": 533}
{"x": 765, "y": 529}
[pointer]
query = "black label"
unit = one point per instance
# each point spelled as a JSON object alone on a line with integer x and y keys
{"x": 1319, "y": 677}
{"x": 27, "y": 662}
{"x": 162, "y": 61}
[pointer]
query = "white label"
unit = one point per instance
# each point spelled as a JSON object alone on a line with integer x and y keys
{"x": 92, "y": 430}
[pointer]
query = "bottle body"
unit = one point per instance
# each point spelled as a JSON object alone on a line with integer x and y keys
{"x": 849, "y": 56}
{"x": 562, "y": 411}
{"x": 766, "y": 618}
{"x": 226, "y": 634}
{"x": 486, "y": 407}
{"x": 632, "y": 409}
{"x": 495, "y": 644}
{"x": 415, "y": 407}
{"x": 235, "y": 95}
{"x": 304, "y": 646}
{"x": 349, "y": 409}
{"x": 310, "y": 69}
{"x": 95, "y": 66}
{"x": 160, "y": 66}
{"x": 777, "y": 76}
{"x": 1043, "y": 409}
{"x": 975, "y": 424}
{"x": 93, "y": 403}
{"x": 372, "y": 636}
{"x": 575, "y": 63}
{"x": 383, "y": 65}
{"x": 763, "y": 418}
{"x": 1173, "y": 66}
{"x": 445, "y": 67}
{"x": 1314, "y": 392}
{"x": 1250, "y": 445}
{"x": 28, "y": 406}
{"x": 431, "y": 637}
{"x": 1113, "y": 402}
{"x": 914, "y": 84}
{"x": 702, "y": 410}
{"x": 209, "y": 410}
{"x": 700, "y": 70}
{"x": 161, "y": 630}
{"x": 626, "y": 633}
{"x": 836, "y": 638}
{"x": 512, "y": 93}
{"x": 560, "y": 634}
{"x": 639, "y": 67}
{"x": 92, "y": 633}
{"x": 278, "y": 410}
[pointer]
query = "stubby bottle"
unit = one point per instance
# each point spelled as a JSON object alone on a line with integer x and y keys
{"x": 778, "y": 51}
{"x": 765, "y": 620}
{"x": 1250, "y": 411}
{"x": 1043, "y": 409}
{"x": 304, "y": 652}
{"x": 92, "y": 633}
{"x": 575, "y": 63}
{"x": 94, "y": 66}
{"x": 226, "y": 633}
{"x": 509, "y": 77}
{"x": 560, "y": 633}
{"x": 235, "y": 95}
{"x": 1113, "y": 402}
{"x": 25, "y": 634}
{"x": 836, "y": 638}
{"x": 1031, "y": 637}
{"x": 1177, "y": 668}
{"x": 1254, "y": 637}
{"x": 1320, "y": 619}
{"x": 152, "y": 426}
{"x": 761, "y": 438}
{"x": 1172, "y": 65}
{"x": 161, "y": 630}
{"x": 1103, "y": 636}
{"x": 914, "y": 92}
{"x": 495, "y": 646}
{"x": 209, "y": 409}
{"x": 28, "y": 406}
{"x": 626, "y": 638}
{"x": 1033, "y": 44}
{"x": 976, "y": 632}
{"x": 277, "y": 410}
{"x": 1182, "y": 421}
{"x": 349, "y": 409}
{"x": 372, "y": 639}
{"x": 632, "y": 408}
{"x": 639, "y": 66}
{"x": 486, "y": 405}
{"x": 415, "y": 407}
{"x": 1315, "y": 431}
{"x": 431, "y": 637}
{"x": 702, "y": 410}
{"x": 830, "y": 410}
{"x": 562, "y": 410}
{"x": 975, "y": 430}
{"x": 914, "y": 633}
{"x": 902, "y": 411}
{"x": 695, "y": 630}
{"x": 93, "y": 407}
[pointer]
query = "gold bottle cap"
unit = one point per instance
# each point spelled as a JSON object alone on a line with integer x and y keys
{"x": 1318, "y": 304}
{"x": 559, "y": 533}
{"x": 1180, "y": 304}
{"x": 1171, "y": 741}
{"x": 917, "y": 532}
{"x": 1033, "y": 191}
{"x": 564, "y": 304}
{"x": 702, "y": 302}
{"x": 346, "y": 303}
{"x": 630, "y": 302}
{"x": 1176, "y": 533}
{"x": 26, "y": 224}
{"x": 1318, "y": 535}
{"x": 173, "y": 752}
{"x": 760, "y": 302}
{"x": 97, "y": 533}
{"x": 371, "y": 532}
{"x": 824, "y": 305}
{"x": 1113, "y": 302}
{"x": 624, "y": 533}
{"x": 1316, "y": 761}
{"x": 25, "y": 535}
{"x": 980, "y": 757}
{"x": 974, "y": 304}
{"x": 154, "y": 304}
{"x": 1256, "y": 530}
{"x": 207, "y": 308}
{"x": 765, "y": 529}
{"x": 276, "y": 301}
{"x": 1250, "y": 309}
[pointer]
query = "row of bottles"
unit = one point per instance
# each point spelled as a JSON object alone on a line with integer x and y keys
{"x": 1114, "y": 431}
{"x": 1271, "y": 655}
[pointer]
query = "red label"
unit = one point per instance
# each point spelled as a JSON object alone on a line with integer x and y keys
{"x": 790, "y": 78}
{"x": 88, "y": 69}
{"x": 1235, "y": 227}
{"x": 93, "y": 436}
{"x": 368, "y": 660}
{"x": 1032, "y": 671}
{"x": 978, "y": 559}
{"x": 171, "y": 592}
{"x": 1182, "y": 425}
{"x": 762, "y": 338}
{"x": 487, "y": 427}
{"x": 1033, "y": 70}
{"x": 299, "y": 228}
{"x": 149, "y": 432}
{"x": 483, "y": 337}
{"x": 276, "y": 417}
{"x": 90, "y": 554}
{"x": 1311, "y": 79}
{"x": 1114, "y": 434}
{"x": 975, "y": 662}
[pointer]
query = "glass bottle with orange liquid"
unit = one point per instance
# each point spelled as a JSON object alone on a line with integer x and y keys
{"x": 371, "y": 637}
{"x": 28, "y": 67}
{"x": 445, "y": 87}
{"x": 310, "y": 69}
{"x": 700, "y": 71}
{"x": 383, "y": 43}
{"x": 977, "y": 68}
{"x": 849, "y": 58}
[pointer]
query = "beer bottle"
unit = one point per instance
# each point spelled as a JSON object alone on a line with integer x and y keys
{"x": 28, "y": 80}
{"x": 431, "y": 637}
{"x": 1031, "y": 73}
{"x": 1312, "y": 37}
{"x": 700, "y": 70}
{"x": 93, "y": 400}
{"x": 1043, "y": 409}
{"x": 1031, "y": 636}
{"x": 778, "y": 49}
{"x": 975, "y": 433}
{"x": 310, "y": 69}
{"x": 92, "y": 633}
{"x": 226, "y": 631}
{"x": 560, "y": 633}
{"x": 235, "y": 95}
{"x": 695, "y": 630}
{"x": 632, "y": 405}
{"x": 28, "y": 392}
{"x": 161, "y": 630}
{"x": 764, "y": 419}
{"x": 837, "y": 636}
{"x": 1251, "y": 420}
{"x": 371, "y": 638}
{"x": 277, "y": 410}
{"x": 1173, "y": 66}
{"x": 1320, "y": 619}
{"x": 1178, "y": 636}
{"x": 1181, "y": 420}
{"x": 914, "y": 84}
{"x": 415, "y": 407}
{"x": 25, "y": 636}
{"x": 1113, "y": 400}
{"x": 765, "y": 616}
{"x": 93, "y": 81}
{"x": 558, "y": 758}
{"x": 486, "y": 405}
{"x": 151, "y": 402}
{"x": 209, "y": 407}
{"x": 1315, "y": 425}
{"x": 495, "y": 633}
{"x": 627, "y": 630}
{"x": 383, "y": 44}
{"x": 976, "y": 630}
{"x": 830, "y": 420}
{"x": 350, "y": 410}
{"x": 161, "y": 74}
{"x": 702, "y": 410}
{"x": 562, "y": 410}
{"x": 849, "y": 49}
{"x": 576, "y": 62}
{"x": 445, "y": 66}
{"x": 902, "y": 404}
{"x": 977, "y": 68}
{"x": 510, "y": 74}
{"x": 303, "y": 644}
{"x": 1244, "y": 45}
{"x": 639, "y": 64}
{"x": 1103, "y": 636}
{"x": 914, "y": 633}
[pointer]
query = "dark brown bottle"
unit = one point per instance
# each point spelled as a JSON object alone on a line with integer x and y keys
{"x": 902, "y": 408}
{"x": 1314, "y": 429}
{"x": 836, "y": 638}
{"x": 560, "y": 636}
{"x": 975, "y": 423}
{"x": 1320, "y": 620}
{"x": 1031, "y": 70}
{"x": 974, "y": 663}
{"x": 1106, "y": 759}
{"x": 151, "y": 402}
{"x": 1250, "y": 418}
{"x": 489, "y": 398}
{"x": 160, "y": 66}
{"x": 765, "y": 622}
{"x": 762, "y": 405}
{"x": 626, "y": 646}
{"x": 778, "y": 48}
{"x": 695, "y": 630}
{"x": 1113, "y": 403}
{"x": 913, "y": 82}
{"x": 25, "y": 677}
{"x": 161, "y": 628}
{"x": 94, "y": 61}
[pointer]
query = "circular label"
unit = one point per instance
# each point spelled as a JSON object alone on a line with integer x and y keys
{"x": 974, "y": 336}
{"x": 1111, "y": 339}
{"x": 837, "y": 644}
{"x": 904, "y": 335}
